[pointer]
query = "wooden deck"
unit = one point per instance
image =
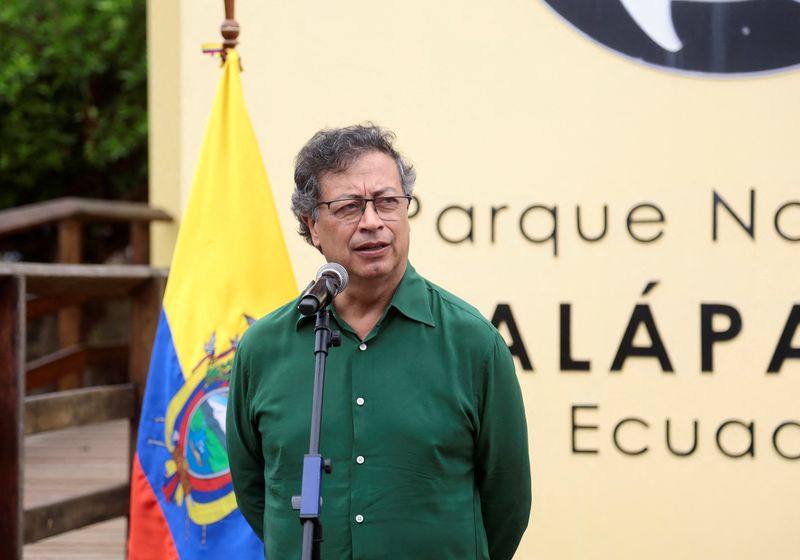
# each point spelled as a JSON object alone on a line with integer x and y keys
{"x": 66, "y": 463}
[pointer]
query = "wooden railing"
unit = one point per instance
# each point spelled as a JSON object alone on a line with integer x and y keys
{"x": 70, "y": 214}
{"x": 31, "y": 291}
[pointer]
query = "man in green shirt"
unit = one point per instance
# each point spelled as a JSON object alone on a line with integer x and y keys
{"x": 423, "y": 416}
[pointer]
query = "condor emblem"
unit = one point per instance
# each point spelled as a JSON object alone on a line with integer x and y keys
{"x": 702, "y": 36}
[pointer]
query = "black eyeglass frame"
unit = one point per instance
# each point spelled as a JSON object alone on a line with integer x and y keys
{"x": 364, "y": 201}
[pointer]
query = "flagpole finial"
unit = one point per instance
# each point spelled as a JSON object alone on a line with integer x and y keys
{"x": 229, "y": 28}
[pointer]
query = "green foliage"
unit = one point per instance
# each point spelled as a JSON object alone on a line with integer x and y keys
{"x": 73, "y": 99}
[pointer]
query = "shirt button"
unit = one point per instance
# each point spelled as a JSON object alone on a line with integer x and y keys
{"x": 360, "y": 459}
{"x": 360, "y": 401}
{"x": 359, "y": 518}
{"x": 362, "y": 346}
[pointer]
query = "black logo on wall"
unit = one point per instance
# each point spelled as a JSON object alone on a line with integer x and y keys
{"x": 707, "y": 36}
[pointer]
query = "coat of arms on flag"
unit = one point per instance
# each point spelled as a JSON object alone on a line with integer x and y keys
{"x": 194, "y": 429}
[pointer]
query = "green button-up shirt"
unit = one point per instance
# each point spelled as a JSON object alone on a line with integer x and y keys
{"x": 423, "y": 421}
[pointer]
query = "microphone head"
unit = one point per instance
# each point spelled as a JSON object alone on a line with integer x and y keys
{"x": 337, "y": 270}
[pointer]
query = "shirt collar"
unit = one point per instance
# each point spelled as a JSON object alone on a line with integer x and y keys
{"x": 410, "y": 299}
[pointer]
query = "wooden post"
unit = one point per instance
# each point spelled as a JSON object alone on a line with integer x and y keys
{"x": 70, "y": 250}
{"x": 70, "y": 241}
{"x": 140, "y": 242}
{"x": 12, "y": 388}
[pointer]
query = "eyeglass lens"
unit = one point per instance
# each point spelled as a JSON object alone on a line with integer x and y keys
{"x": 388, "y": 208}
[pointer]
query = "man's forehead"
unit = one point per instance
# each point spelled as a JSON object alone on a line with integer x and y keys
{"x": 374, "y": 170}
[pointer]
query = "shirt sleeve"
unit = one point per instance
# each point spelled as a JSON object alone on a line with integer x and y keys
{"x": 502, "y": 465}
{"x": 244, "y": 444}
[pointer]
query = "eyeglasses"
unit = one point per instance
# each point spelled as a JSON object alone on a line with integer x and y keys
{"x": 350, "y": 210}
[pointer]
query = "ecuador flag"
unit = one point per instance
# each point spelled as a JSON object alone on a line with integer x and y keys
{"x": 230, "y": 267}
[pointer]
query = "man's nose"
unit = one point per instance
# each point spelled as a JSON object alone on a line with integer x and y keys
{"x": 370, "y": 218}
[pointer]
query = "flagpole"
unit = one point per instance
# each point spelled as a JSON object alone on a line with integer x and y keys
{"x": 229, "y": 29}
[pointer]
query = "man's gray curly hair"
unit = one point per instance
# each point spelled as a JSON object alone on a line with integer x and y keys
{"x": 332, "y": 151}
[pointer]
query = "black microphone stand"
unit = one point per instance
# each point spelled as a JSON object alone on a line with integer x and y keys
{"x": 309, "y": 502}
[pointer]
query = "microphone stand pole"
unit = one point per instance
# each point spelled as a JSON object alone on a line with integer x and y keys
{"x": 310, "y": 500}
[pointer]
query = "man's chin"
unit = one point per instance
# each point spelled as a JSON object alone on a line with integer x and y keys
{"x": 375, "y": 270}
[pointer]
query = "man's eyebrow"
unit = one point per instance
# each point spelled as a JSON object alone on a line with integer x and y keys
{"x": 382, "y": 191}
{"x": 386, "y": 191}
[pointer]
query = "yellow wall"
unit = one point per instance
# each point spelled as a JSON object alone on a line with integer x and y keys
{"x": 503, "y": 104}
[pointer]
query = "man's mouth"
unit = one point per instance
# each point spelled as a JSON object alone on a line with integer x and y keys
{"x": 371, "y": 247}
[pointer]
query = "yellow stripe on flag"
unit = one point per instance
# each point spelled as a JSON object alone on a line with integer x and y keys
{"x": 230, "y": 257}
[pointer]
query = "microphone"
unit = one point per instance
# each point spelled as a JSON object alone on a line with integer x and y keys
{"x": 331, "y": 281}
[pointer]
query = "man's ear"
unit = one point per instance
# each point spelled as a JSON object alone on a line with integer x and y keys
{"x": 311, "y": 224}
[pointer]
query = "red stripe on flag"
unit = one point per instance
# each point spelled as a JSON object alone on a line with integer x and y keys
{"x": 149, "y": 537}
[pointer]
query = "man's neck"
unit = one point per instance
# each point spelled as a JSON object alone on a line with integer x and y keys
{"x": 362, "y": 304}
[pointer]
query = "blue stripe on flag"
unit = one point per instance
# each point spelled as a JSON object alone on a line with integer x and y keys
{"x": 191, "y": 540}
